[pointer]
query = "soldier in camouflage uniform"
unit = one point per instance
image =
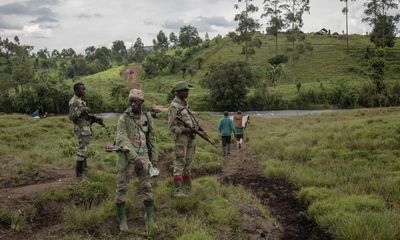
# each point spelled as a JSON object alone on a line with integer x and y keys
{"x": 135, "y": 136}
{"x": 184, "y": 138}
{"x": 79, "y": 115}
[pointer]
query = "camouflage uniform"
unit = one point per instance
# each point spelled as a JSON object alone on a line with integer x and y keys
{"x": 82, "y": 127}
{"x": 185, "y": 144}
{"x": 137, "y": 135}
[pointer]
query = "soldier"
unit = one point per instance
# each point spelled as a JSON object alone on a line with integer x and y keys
{"x": 79, "y": 114}
{"x": 135, "y": 136}
{"x": 184, "y": 126}
{"x": 226, "y": 128}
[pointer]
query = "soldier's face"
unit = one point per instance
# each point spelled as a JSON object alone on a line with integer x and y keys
{"x": 81, "y": 91}
{"x": 183, "y": 94}
{"x": 136, "y": 104}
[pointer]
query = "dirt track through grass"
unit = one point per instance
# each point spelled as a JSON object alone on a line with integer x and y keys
{"x": 278, "y": 195}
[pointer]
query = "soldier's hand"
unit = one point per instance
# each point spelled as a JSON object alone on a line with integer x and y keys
{"x": 138, "y": 166}
{"x": 154, "y": 164}
{"x": 125, "y": 149}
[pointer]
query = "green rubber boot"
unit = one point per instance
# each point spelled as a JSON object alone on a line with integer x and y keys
{"x": 121, "y": 213}
{"x": 187, "y": 183}
{"x": 178, "y": 192}
{"x": 148, "y": 216}
{"x": 79, "y": 169}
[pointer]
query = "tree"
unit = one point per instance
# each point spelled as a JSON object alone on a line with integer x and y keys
{"x": 377, "y": 65}
{"x": 103, "y": 56}
{"x": 55, "y": 53}
{"x": 173, "y": 39}
{"x": 384, "y": 32}
{"x": 207, "y": 41}
{"x": 189, "y": 37}
{"x": 345, "y": 10}
{"x": 43, "y": 53}
{"x": 68, "y": 53}
{"x": 140, "y": 53}
{"x": 228, "y": 84}
{"x": 118, "y": 51}
{"x": 246, "y": 25}
{"x": 294, "y": 10}
{"x": 274, "y": 10}
{"x": 376, "y": 8}
{"x": 90, "y": 53}
{"x": 22, "y": 71}
{"x": 377, "y": 16}
{"x": 278, "y": 68}
{"x": 161, "y": 43}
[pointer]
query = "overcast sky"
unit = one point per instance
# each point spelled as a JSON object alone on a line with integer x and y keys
{"x": 58, "y": 24}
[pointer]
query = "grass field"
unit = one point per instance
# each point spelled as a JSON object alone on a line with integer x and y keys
{"x": 346, "y": 165}
{"x": 30, "y": 147}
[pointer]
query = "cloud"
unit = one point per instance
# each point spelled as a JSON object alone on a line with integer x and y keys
{"x": 89, "y": 16}
{"x": 32, "y": 8}
{"x": 35, "y": 31}
{"x": 44, "y": 19}
{"x": 148, "y": 22}
{"x": 28, "y": 8}
{"x": 208, "y": 24}
{"x": 203, "y": 24}
{"x": 173, "y": 24}
{"x": 9, "y": 26}
{"x": 215, "y": 21}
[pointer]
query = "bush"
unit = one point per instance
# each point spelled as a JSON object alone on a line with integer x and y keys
{"x": 228, "y": 84}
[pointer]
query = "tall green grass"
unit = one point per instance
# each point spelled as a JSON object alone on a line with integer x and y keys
{"x": 346, "y": 165}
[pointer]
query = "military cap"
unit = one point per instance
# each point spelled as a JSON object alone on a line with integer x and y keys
{"x": 136, "y": 93}
{"x": 182, "y": 85}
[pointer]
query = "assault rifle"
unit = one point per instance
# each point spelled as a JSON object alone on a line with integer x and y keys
{"x": 93, "y": 119}
{"x": 199, "y": 132}
{"x": 114, "y": 148}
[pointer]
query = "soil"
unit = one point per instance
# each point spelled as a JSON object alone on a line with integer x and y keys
{"x": 49, "y": 179}
{"x": 278, "y": 195}
{"x": 48, "y": 217}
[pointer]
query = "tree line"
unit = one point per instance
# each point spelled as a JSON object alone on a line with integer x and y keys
{"x": 37, "y": 79}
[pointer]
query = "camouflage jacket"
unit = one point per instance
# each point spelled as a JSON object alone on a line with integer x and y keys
{"x": 179, "y": 109}
{"x": 82, "y": 126}
{"x": 137, "y": 135}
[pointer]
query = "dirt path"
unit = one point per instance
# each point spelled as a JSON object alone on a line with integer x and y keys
{"x": 60, "y": 178}
{"x": 243, "y": 168}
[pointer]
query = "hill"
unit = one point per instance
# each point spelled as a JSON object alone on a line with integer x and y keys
{"x": 326, "y": 66}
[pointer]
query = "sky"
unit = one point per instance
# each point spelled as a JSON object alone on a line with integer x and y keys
{"x": 77, "y": 24}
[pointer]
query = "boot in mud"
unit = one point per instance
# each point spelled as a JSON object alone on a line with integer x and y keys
{"x": 121, "y": 213}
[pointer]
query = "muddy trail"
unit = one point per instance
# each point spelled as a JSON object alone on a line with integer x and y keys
{"x": 51, "y": 178}
{"x": 48, "y": 216}
{"x": 278, "y": 195}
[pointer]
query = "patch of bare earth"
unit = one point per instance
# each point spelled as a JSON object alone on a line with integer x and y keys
{"x": 278, "y": 195}
{"x": 47, "y": 218}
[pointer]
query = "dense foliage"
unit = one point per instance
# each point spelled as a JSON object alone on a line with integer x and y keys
{"x": 228, "y": 84}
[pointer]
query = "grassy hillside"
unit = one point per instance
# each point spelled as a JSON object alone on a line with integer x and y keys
{"x": 328, "y": 65}
{"x": 346, "y": 165}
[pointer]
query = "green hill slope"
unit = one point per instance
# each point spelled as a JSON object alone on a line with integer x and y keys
{"x": 327, "y": 65}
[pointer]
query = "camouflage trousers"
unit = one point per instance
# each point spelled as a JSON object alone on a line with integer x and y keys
{"x": 185, "y": 147}
{"x": 83, "y": 143}
{"x": 126, "y": 169}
